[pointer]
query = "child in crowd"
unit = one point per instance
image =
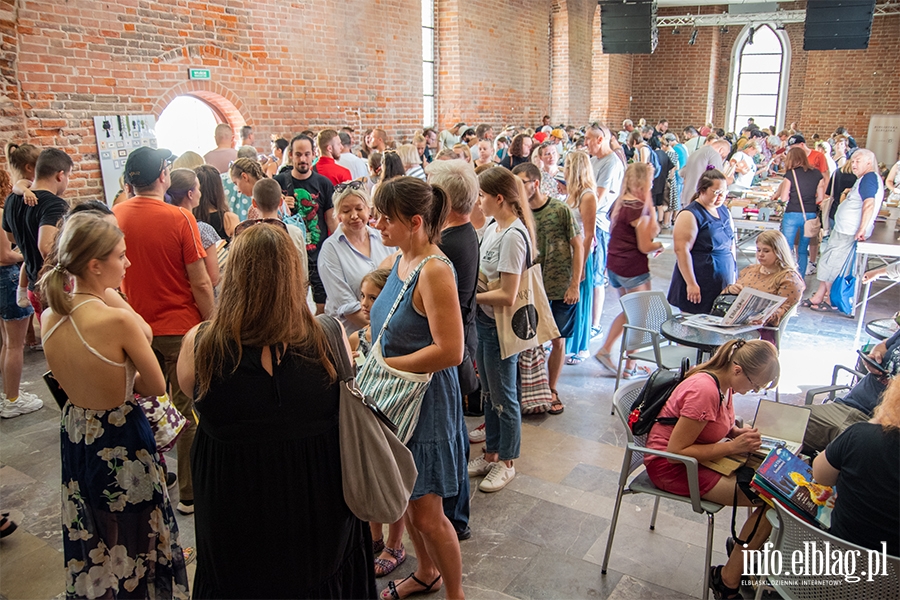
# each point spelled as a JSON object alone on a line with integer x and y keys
{"x": 361, "y": 341}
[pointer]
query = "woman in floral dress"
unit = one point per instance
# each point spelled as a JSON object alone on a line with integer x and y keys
{"x": 120, "y": 538}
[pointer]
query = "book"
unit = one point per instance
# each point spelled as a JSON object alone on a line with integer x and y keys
{"x": 790, "y": 480}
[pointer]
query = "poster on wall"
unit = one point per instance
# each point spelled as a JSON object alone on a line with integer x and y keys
{"x": 117, "y": 136}
{"x": 884, "y": 137}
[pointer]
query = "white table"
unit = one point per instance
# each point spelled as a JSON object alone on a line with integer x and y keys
{"x": 882, "y": 244}
{"x": 748, "y": 230}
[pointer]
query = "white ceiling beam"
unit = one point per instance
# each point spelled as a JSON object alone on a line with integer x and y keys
{"x": 891, "y": 7}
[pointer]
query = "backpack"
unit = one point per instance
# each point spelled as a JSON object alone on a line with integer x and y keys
{"x": 653, "y": 162}
{"x": 653, "y": 397}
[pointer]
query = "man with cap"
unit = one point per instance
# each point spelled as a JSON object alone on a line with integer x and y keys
{"x": 450, "y": 137}
{"x": 167, "y": 283}
{"x": 816, "y": 158}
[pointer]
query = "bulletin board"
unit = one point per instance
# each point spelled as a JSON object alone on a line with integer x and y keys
{"x": 117, "y": 137}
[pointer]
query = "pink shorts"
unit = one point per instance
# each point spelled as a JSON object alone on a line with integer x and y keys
{"x": 672, "y": 478}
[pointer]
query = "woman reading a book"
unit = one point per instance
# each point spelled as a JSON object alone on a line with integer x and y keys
{"x": 775, "y": 272}
{"x": 706, "y": 430}
{"x": 863, "y": 463}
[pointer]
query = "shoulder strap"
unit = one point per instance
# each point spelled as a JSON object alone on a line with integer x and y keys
{"x": 799, "y": 196}
{"x": 336, "y": 341}
{"x": 406, "y": 284}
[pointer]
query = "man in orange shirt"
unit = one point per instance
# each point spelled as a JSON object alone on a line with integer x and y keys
{"x": 167, "y": 283}
{"x": 816, "y": 158}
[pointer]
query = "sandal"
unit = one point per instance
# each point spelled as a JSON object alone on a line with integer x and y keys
{"x": 391, "y": 593}
{"x": 636, "y": 373}
{"x": 574, "y": 360}
{"x": 806, "y": 304}
{"x": 596, "y": 332}
{"x": 7, "y": 525}
{"x": 718, "y": 587}
{"x": 189, "y": 554}
{"x": 383, "y": 566}
{"x": 378, "y": 546}
{"x": 824, "y": 307}
{"x": 606, "y": 362}
{"x": 556, "y": 407}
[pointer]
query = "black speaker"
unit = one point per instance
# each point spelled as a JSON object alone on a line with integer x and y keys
{"x": 838, "y": 24}
{"x": 628, "y": 27}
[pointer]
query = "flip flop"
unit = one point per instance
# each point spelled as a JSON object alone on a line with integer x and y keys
{"x": 824, "y": 307}
{"x": 574, "y": 360}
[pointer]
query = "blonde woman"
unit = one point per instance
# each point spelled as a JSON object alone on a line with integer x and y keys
{"x": 411, "y": 160}
{"x": 188, "y": 160}
{"x": 633, "y": 228}
{"x": 775, "y": 272}
{"x": 582, "y": 199}
{"x": 115, "y": 504}
{"x": 464, "y": 152}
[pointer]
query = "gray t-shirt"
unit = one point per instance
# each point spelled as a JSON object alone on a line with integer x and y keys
{"x": 608, "y": 174}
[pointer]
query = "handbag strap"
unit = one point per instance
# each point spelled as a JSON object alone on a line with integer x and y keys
{"x": 336, "y": 341}
{"x": 799, "y": 196}
{"x": 409, "y": 279}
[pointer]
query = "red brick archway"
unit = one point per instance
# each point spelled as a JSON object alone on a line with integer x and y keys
{"x": 227, "y": 106}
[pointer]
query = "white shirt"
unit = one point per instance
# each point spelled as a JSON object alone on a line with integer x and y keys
{"x": 358, "y": 166}
{"x": 745, "y": 179}
{"x": 849, "y": 213}
{"x": 608, "y": 174}
{"x": 502, "y": 253}
{"x": 447, "y": 140}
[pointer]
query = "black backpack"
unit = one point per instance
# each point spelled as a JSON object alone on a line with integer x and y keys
{"x": 653, "y": 397}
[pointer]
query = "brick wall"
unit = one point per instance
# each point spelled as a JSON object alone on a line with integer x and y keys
{"x": 571, "y": 58}
{"x": 826, "y": 89}
{"x": 493, "y": 61}
{"x": 278, "y": 67}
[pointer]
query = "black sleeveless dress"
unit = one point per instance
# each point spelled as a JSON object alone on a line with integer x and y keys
{"x": 216, "y": 220}
{"x": 270, "y": 516}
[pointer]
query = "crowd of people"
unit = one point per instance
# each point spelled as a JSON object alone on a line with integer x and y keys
{"x": 199, "y": 290}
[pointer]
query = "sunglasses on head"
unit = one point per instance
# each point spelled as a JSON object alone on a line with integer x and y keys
{"x": 244, "y": 225}
{"x": 352, "y": 185}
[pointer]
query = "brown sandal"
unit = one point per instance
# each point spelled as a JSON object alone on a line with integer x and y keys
{"x": 556, "y": 407}
{"x": 383, "y": 566}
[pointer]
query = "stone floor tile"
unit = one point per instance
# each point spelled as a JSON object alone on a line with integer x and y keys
{"x": 37, "y": 573}
{"x": 554, "y": 575}
{"x": 561, "y": 529}
{"x": 548, "y": 466}
{"x": 544, "y": 490}
{"x": 631, "y": 587}
{"x": 493, "y": 561}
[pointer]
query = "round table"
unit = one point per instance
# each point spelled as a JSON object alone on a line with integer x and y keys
{"x": 704, "y": 340}
{"x": 882, "y": 328}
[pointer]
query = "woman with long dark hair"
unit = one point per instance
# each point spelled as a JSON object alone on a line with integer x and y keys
{"x": 213, "y": 209}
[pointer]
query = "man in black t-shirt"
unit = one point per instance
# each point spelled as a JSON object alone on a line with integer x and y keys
{"x": 312, "y": 202}
{"x": 459, "y": 242}
{"x": 33, "y": 228}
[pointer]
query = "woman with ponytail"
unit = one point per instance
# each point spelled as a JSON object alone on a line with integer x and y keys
{"x": 244, "y": 173}
{"x": 425, "y": 336}
{"x": 508, "y": 242}
{"x": 115, "y": 502}
{"x": 705, "y": 430}
{"x": 184, "y": 192}
{"x": 704, "y": 247}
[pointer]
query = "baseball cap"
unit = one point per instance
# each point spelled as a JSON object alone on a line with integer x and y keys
{"x": 796, "y": 139}
{"x": 461, "y": 125}
{"x": 145, "y": 164}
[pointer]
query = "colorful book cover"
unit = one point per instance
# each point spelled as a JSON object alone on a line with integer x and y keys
{"x": 790, "y": 479}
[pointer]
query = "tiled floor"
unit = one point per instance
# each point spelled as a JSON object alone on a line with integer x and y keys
{"x": 542, "y": 537}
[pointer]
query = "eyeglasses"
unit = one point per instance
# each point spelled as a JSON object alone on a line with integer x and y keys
{"x": 244, "y": 225}
{"x": 755, "y": 387}
{"x": 353, "y": 185}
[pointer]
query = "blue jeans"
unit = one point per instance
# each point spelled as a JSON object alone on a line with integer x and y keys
{"x": 499, "y": 391}
{"x": 791, "y": 223}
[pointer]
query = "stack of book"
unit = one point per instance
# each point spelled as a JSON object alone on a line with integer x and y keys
{"x": 787, "y": 478}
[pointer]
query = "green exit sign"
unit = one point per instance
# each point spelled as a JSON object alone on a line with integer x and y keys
{"x": 199, "y": 74}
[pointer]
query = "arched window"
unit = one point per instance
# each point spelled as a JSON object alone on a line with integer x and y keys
{"x": 188, "y": 123}
{"x": 759, "y": 77}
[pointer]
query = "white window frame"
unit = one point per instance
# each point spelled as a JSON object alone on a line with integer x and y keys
{"x": 426, "y": 98}
{"x": 734, "y": 73}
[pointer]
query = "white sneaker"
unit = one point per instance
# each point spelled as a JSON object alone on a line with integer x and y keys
{"x": 811, "y": 268}
{"x": 479, "y": 466}
{"x": 24, "y": 404}
{"x": 477, "y": 435}
{"x": 497, "y": 479}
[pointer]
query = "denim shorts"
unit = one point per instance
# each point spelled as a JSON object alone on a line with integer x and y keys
{"x": 9, "y": 282}
{"x": 629, "y": 283}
